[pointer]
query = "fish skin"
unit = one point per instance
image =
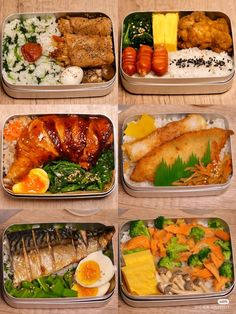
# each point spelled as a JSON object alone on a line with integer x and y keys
{"x": 138, "y": 149}
{"x": 183, "y": 146}
{"x": 40, "y": 252}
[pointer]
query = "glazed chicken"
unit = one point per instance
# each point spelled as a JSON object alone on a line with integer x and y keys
{"x": 198, "y": 30}
{"x": 73, "y": 138}
{"x": 84, "y": 26}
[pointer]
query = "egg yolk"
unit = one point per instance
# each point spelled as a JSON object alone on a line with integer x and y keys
{"x": 89, "y": 272}
{"x": 35, "y": 182}
{"x": 85, "y": 292}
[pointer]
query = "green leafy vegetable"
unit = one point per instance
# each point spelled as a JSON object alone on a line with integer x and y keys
{"x": 168, "y": 262}
{"x": 138, "y": 30}
{"x": 137, "y": 228}
{"x": 165, "y": 175}
{"x": 215, "y": 223}
{"x": 65, "y": 176}
{"x": 160, "y": 222}
{"x": 226, "y": 270}
{"x": 52, "y": 286}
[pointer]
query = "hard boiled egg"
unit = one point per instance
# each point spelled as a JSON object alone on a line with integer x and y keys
{"x": 94, "y": 271}
{"x": 91, "y": 292}
{"x": 36, "y": 181}
{"x": 72, "y": 76}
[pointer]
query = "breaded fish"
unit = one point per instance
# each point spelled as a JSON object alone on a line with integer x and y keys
{"x": 138, "y": 149}
{"x": 183, "y": 146}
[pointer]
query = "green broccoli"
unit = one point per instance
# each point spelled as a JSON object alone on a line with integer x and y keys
{"x": 161, "y": 221}
{"x": 203, "y": 253}
{"x": 174, "y": 248}
{"x": 194, "y": 260}
{"x": 197, "y": 233}
{"x": 226, "y": 248}
{"x": 168, "y": 263}
{"x": 215, "y": 223}
{"x": 226, "y": 270}
{"x": 137, "y": 228}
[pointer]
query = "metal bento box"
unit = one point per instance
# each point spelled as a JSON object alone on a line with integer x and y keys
{"x": 181, "y": 67}
{"x": 172, "y": 275}
{"x": 57, "y": 55}
{"x": 157, "y": 164}
{"x": 58, "y": 156}
{"x": 44, "y": 265}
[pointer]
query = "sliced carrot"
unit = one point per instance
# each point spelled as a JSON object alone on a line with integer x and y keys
{"x": 219, "y": 284}
{"x": 201, "y": 273}
{"x": 216, "y": 249}
{"x": 191, "y": 244}
{"x": 206, "y": 242}
{"x": 223, "y": 235}
{"x": 183, "y": 229}
{"x": 212, "y": 268}
{"x": 184, "y": 256}
{"x": 181, "y": 238}
{"x": 151, "y": 230}
{"x": 153, "y": 245}
{"x": 216, "y": 260}
{"x": 209, "y": 232}
{"x": 158, "y": 234}
{"x": 137, "y": 242}
{"x": 162, "y": 248}
{"x": 167, "y": 237}
{"x": 13, "y": 130}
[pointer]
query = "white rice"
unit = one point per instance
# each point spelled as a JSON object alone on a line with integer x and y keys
{"x": 196, "y": 63}
{"x": 160, "y": 122}
{"x": 16, "y": 70}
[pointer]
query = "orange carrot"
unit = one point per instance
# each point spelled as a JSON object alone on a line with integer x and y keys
{"x": 181, "y": 238}
{"x": 137, "y": 242}
{"x": 212, "y": 268}
{"x": 223, "y": 235}
{"x": 184, "y": 256}
{"x": 151, "y": 230}
{"x": 201, "y": 273}
{"x": 219, "y": 285}
{"x": 183, "y": 229}
{"x": 216, "y": 260}
{"x": 167, "y": 237}
{"x": 153, "y": 245}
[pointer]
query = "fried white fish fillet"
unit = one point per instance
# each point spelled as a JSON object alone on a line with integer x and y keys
{"x": 138, "y": 149}
{"x": 184, "y": 146}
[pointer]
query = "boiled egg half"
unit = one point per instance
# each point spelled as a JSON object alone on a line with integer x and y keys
{"x": 94, "y": 271}
{"x": 36, "y": 181}
{"x": 91, "y": 292}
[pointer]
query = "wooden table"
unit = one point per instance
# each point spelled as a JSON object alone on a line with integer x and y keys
{"x": 23, "y": 211}
{"x": 223, "y": 205}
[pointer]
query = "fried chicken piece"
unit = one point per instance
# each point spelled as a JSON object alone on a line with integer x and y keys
{"x": 183, "y": 146}
{"x": 47, "y": 138}
{"x": 85, "y": 51}
{"x": 138, "y": 149}
{"x": 198, "y": 30}
{"x": 84, "y": 26}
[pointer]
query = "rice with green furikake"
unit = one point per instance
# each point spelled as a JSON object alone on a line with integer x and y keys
{"x": 18, "y": 71}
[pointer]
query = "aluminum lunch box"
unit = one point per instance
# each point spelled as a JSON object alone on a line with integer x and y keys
{"x": 172, "y": 191}
{"x": 162, "y": 85}
{"x": 58, "y": 302}
{"x": 67, "y": 195}
{"x": 58, "y": 91}
{"x": 171, "y": 300}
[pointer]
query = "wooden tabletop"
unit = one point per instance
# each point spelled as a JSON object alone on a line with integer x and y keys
{"x": 222, "y": 206}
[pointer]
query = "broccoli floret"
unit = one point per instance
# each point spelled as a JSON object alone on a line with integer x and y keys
{"x": 203, "y": 254}
{"x": 225, "y": 245}
{"x": 137, "y": 228}
{"x": 161, "y": 221}
{"x": 174, "y": 248}
{"x": 226, "y": 248}
{"x": 168, "y": 263}
{"x": 194, "y": 260}
{"x": 215, "y": 223}
{"x": 197, "y": 233}
{"x": 226, "y": 270}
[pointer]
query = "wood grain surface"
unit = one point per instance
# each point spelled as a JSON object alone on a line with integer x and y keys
{"x": 222, "y": 206}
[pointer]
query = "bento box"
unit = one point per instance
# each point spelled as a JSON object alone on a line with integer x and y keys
{"x": 181, "y": 52}
{"x": 176, "y": 154}
{"x": 58, "y": 55}
{"x": 169, "y": 261}
{"x": 49, "y": 265}
{"x": 58, "y": 156}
